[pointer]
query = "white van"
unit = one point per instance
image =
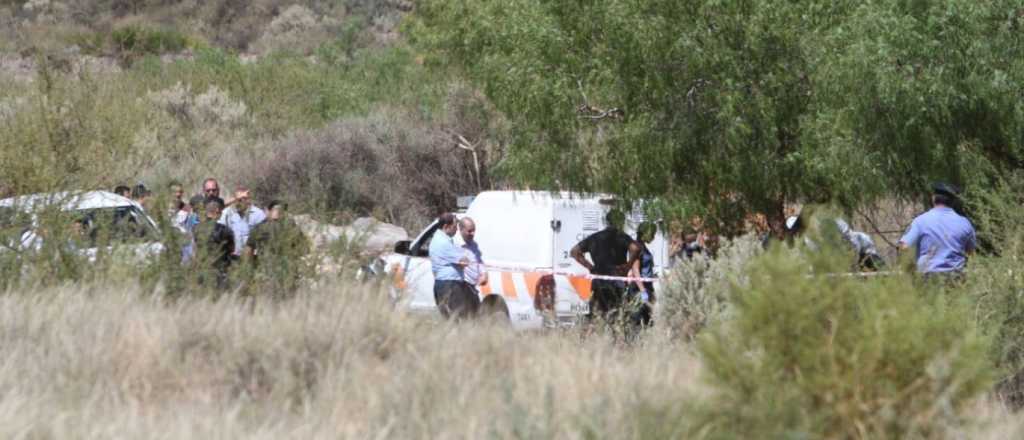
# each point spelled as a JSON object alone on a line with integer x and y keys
{"x": 522, "y": 235}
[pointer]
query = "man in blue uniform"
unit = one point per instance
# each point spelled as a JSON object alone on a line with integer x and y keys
{"x": 942, "y": 237}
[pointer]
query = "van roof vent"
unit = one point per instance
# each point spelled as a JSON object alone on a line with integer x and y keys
{"x": 592, "y": 219}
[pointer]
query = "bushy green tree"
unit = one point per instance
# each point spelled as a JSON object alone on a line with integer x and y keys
{"x": 810, "y": 355}
{"x": 741, "y": 106}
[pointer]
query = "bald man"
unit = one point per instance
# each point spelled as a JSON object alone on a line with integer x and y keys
{"x": 474, "y": 272}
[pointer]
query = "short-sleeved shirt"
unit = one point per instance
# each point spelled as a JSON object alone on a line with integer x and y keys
{"x": 608, "y": 249}
{"x": 474, "y": 270}
{"x": 444, "y": 257}
{"x": 242, "y": 224}
{"x": 943, "y": 239}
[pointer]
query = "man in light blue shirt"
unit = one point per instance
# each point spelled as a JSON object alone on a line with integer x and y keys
{"x": 241, "y": 218}
{"x": 447, "y": 261}
{"x": 943, "y": 238}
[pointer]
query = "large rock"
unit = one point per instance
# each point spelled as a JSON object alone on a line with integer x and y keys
{"x": 372, "y": 236}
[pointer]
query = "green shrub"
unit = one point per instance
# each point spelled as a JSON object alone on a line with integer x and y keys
{"x": 811, "y": 355}
{"x": 995, "y": 281}
{"x": 135, "y": 41}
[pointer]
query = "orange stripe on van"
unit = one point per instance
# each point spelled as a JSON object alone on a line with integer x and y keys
{"x": 399, "y": 279}
{"x": 582, "y": 287}
{"x": 532, "y": 280}
{"x": 508, "y": 288}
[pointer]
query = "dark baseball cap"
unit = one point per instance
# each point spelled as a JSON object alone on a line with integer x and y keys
{"x": 945, "y": 189}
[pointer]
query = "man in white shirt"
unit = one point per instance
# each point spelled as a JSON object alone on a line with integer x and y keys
{"x": 241, "y": 218}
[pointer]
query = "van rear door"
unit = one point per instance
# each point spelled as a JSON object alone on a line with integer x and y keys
{"x": 573, "y": 220}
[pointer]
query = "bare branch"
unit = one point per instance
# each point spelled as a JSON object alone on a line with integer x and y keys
{"x": 587, "y": 111}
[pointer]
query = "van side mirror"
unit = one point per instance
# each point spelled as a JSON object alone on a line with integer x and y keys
{"x": 402, "y": 247}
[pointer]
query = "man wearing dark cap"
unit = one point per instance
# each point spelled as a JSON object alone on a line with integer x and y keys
{"x": 943, "y": 238}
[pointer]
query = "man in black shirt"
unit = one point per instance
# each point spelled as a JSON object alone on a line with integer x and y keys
{"x": 613, "y": 253}
{"x": 214, "y": 244}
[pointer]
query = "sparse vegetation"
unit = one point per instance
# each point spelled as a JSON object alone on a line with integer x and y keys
{"x": 324, "y": 104}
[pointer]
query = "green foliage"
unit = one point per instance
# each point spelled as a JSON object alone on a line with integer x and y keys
{"x": 996, "y": 283}
{"x": 134, "y": 41}
{"x": 729, "y": 108}
{"x": 813, "y": 355}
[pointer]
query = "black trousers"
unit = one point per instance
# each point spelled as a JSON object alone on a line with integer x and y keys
{"x": 607, "y": 297}
{"x": 456, "y": 299}
{"x": 641, "y": 313}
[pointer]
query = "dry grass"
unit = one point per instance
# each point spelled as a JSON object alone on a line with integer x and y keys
{"x": 110, "y": 362}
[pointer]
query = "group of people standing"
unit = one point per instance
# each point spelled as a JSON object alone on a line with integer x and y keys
{"x": 459, "y": 271}
{"x": 215, "y": 234}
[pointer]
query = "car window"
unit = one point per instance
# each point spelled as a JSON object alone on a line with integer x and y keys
{"x": 422, "y": 246}
{"x": 125, "y": 225}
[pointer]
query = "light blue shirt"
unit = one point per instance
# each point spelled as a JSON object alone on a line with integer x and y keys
{"x": 474, "y": 270}
{"x": 943, "y": 239}
{"x": 444, "y": 257}
{"x": 242, "y": 225}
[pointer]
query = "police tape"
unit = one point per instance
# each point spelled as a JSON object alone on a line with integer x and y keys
{"x": 552, "y": 271}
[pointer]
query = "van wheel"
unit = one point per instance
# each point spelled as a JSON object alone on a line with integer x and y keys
{"x": 493, "y": 307}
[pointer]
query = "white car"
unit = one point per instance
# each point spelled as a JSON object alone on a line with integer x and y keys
{"x": 522, "y": 235}
{"x": 109, "y": 222}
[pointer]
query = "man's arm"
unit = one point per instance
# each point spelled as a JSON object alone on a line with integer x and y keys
{"x": 910, "y": 238}
{"x": 577, "y": 254}
{"x": 633, "y": 263}
{"x": 447, "y": 253}
{"x": 972, "y": 243}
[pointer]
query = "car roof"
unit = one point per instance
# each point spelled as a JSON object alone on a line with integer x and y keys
{"x": 69, "y": 201}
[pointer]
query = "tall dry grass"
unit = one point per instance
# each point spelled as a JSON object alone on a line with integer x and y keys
{"x": 106, "y": 361}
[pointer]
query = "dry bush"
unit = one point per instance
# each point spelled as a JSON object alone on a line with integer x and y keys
{"x": 696, "y": 293}
{"x": 242, "y": 25}
{"x": 339, "y": 362}
{"x": 388, "y": 162}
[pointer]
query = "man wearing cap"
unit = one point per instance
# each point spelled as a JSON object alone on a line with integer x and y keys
{"x": 943, "y": 238}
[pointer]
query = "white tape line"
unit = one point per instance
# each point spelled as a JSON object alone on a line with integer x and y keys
{"x": 547, "y": 270}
